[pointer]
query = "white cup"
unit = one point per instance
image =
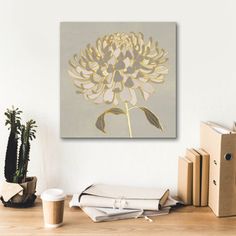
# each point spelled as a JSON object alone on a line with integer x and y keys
{"x": 53, "y": 207}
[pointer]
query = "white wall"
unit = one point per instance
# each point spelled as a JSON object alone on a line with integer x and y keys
{"x": 29, "y": 79}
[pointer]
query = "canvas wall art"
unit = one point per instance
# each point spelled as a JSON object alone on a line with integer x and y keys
{"x": 118, "y": 80}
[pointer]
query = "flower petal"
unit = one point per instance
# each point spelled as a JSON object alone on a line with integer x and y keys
{"x": 147, "y": 87}
{"x": 108, "y": 79}
{"x": 93, "y": 66}
{"x": 110, "y": 68}
{"x": 144, "y": 86}
{"x": 129, "y": 54}
{"x": 158, "y": 79}
{"x": 125, "y": 95}
{"x": 133, "y": 99}
{"x": 78, "y": 83}
{"x": 120, "y": 65}
{"x": 96, "y": 78}
{"x": 118, "y": 86}
{"x": 143, "y": 79}
{"x": 118, "y": 76}
{"x": 145, "y": 95}
{"x": 99, "y": 99}
{"x": 88, "y": 85}
{"x": 129, "y": 83}
{"x": 112, "y": 61}
{"x": 162, "y": 69}
{"x": 108, "y": 96}
{"x": 99, "y": 46}
{"x": 116, "y": 53}
{"x": 127, "y": 62}
{"x": 73, "y": 75}
{"x": 84, "y": 71}
{"x": 115, "y": 102}
{"x": 93, "y": 95}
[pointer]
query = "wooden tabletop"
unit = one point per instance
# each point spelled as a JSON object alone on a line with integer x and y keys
{"x": 184, "y": 221}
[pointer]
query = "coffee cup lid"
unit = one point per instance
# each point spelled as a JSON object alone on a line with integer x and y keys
{"x": 53, "y": 194}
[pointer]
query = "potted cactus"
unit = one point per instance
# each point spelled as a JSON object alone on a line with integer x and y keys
{"x": 18, "y": 190}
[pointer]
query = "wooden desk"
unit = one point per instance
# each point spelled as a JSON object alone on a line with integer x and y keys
{"x": 184, "y": 221}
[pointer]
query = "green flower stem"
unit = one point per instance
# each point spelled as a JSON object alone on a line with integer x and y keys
{"x": 128, "y": 119}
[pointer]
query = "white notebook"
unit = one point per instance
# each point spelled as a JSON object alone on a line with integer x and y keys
{"x": 110, "y": 214}
{"x": 123, "y": 197}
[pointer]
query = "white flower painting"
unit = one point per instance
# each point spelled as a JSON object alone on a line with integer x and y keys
{"x": 120, "y": 72}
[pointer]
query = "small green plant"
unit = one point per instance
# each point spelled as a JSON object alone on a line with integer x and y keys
{"x": 16, "y": 164}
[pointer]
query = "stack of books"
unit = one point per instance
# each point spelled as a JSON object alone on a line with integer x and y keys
{"x": 207, "y": 174}
{"x": 193, "y": 177}
{"x": 106, "y": 202}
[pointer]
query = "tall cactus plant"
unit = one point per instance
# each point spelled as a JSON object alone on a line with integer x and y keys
{"x": 27, "y": 134}
{"x": 16, "y": 165}
{"x": 13, "y": 121}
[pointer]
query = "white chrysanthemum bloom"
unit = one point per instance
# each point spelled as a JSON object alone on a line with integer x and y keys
{"x": 117, "y": 67}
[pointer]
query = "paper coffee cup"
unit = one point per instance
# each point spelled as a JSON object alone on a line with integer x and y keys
{"x": 53, "y": 207}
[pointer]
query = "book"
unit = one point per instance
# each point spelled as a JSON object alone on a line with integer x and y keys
{"x": 98, "y": 214}
{"x": 125, "y": 197}
{"x": 204, "y": 176}
{"x": 185, "y": 180}
{"x": 193, "y": 156}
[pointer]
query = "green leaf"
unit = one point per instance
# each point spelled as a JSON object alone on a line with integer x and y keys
{"x": 152, "y": 118}
{"x": 115, "y": 111}
{"x": 100, "y": 123}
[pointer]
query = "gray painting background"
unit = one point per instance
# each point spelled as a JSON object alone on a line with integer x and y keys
{"x": 78, "y": 116}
